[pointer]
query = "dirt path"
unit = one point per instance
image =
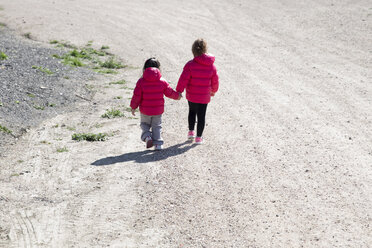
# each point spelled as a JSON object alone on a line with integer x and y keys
{"x": 288, "y": 152}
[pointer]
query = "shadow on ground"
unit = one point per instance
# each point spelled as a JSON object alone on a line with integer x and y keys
{"x": 147, "y": 155}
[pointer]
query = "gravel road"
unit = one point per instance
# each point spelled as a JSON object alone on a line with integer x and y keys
{"x": 28, "y": 95}
{"x": 288, "y": 152}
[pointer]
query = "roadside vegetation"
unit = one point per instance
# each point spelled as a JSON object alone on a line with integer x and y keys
{"x": 5, "y": 129}
{"x": 89, "y": 136}
{"x": 113, "y": 113}
{"x": 3, "y": 56}
{"x": 42, "y": 69}
{"x": 99, "y": 60}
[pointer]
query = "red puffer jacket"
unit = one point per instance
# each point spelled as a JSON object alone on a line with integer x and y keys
{"x": 149, "y": 92}
{"x": 200, "y": 79}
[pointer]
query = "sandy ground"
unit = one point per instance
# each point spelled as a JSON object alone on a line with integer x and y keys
{"x": 288, "y": 153}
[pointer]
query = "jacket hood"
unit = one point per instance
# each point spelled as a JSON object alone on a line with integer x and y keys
{"x": 152, "y": 74}
{"x": 205, "y": 59}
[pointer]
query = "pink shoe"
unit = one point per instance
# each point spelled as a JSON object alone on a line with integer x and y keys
{"x": 191, "y": 135}
{"x": 198, "y": 140}
{"x": 148, "y": 141}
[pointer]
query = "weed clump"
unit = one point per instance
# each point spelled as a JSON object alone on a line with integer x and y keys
{"x": 112, "y": 64}
{"x": 89, "y": 137}
{"x": 42, "y": 69}
{"x": 118, "y": 82}
{"x": 3, "y": 56}
{"x": 113, "y": 113}
{"x": 5, "y": 130}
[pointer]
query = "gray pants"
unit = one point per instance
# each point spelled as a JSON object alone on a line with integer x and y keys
{"x": 152, "y": 122}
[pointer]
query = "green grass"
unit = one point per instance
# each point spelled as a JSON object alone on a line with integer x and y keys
{"x": 5, "y": 129}
{"x": 2, "y": 25}
{"x": 31, "y": 95}
{"x": 62, "y": 149}
{"x": 118, "y": 97}
{"x": 106, "y": 71}
{"x": 112, "y": 64}
{"x": 3, "y": 56}
{"x": 27, "y": 35}
{"x": 38, "y": 107}
{"x": 72, "y": 61}
{"x": 113, "y": 113}
{"x": 71, "y": 128}
{"x": 88, "y": 56}
{"x": 118, "y": 82}
{"x": 42, "y": 69}
{"x": 89, "y": 136}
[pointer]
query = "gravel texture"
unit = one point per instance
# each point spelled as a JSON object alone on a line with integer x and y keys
{"x": 29, "y": 95}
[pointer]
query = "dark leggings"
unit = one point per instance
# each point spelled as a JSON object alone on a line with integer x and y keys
{"x": 197, "y": 109}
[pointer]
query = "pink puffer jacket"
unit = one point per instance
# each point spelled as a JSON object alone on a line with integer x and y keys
{"x": 149, "y": 92}
{"x": 200, "y": 79}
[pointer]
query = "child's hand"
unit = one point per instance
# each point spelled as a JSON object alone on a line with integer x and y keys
{"x": 179, "y": 96}
{"x": 134, "y": 112}
{"x": 212, "y": 93}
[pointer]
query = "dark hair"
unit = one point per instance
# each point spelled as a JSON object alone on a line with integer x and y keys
{"x": 199, "y": 47}
{"x": 151, "y": 62}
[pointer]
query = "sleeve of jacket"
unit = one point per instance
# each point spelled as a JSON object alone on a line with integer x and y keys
{"x": 184, "y": 78}
{"x": 214, "y": 80}
{"x": 169, "y": 92}
{"x": 137, "y": 95}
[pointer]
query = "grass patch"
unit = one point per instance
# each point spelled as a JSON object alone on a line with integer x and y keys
{"x": 107, "y": 71}
{"x": 27, "y": 35}
{"x": 5, "y": 129}
{"x": 71, "y": 128}
{"x": 118, "y": 97}
{"x": 62, "y": 149}
{"x": 66, "y": 77}
{"x": 42, "y": 69}
{"x": 2, "y": 25}
{"x": 112, "y": 64}
{"x": 89, "y": 136}
{"x": 113, "y": 113}
{"x": 31, "y": 95}
{"x": 3, "y": 56}
{"x": 88, "y": 56}
{"x": 38, "y": 107}
{"x": 120, "y": 82}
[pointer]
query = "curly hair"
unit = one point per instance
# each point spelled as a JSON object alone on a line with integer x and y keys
{"x": 199, "y": 47}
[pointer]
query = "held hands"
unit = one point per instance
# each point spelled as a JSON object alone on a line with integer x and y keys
{"x": 212, "y": 93}
{"x": 133, "y": 112}
{"x": 179, "y": 96}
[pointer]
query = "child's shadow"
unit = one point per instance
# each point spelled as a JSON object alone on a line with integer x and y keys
{"x": 147, "y": 155}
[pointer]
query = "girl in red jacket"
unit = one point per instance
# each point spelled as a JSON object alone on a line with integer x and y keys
{"x": 200, "y": 79}
{"x": 149, "y": 96}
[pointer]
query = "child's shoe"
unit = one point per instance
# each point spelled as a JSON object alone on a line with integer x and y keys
{"x": 148, "y": 141}
{"x": 191, "y": 135}
{"x": 158, "y": 147}
{"x": 198, "y": 140}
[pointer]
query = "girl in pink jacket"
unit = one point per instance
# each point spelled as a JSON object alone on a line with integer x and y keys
{"x": 200, "y": 79}
{"x": 149, "y": 96}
